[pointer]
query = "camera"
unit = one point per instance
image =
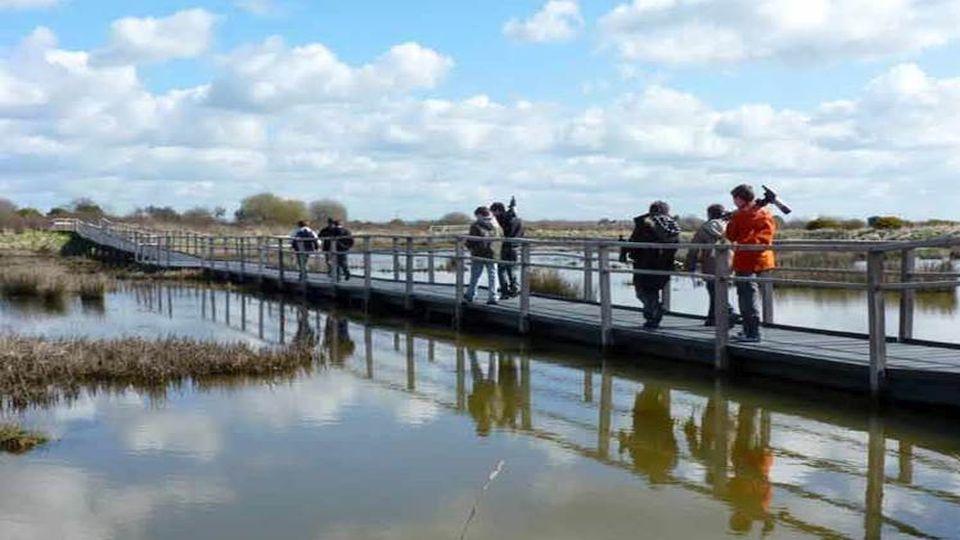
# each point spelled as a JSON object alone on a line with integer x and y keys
{"x": 770, "y": 197}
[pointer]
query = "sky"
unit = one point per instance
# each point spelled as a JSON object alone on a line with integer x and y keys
{"x": 582, "y": 109}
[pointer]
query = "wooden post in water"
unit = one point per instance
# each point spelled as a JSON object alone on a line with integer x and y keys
{"x": 876, "y": 457}
{"x": 908, "y": 298}
{"x": 368, "y": 348}
{"x": 431, "y": 264}
{"x": 606, "y": 302}
{"x": 588, "y": 295}
{"x": 606, "y": 406}
{"x": 721, "y": 309}
{"x": 767, "y": 296}
{"x": 524, "y": 288}
{"x": 458, "y": 268}
{"x": 411, "y": 361}
{"x": 408, "y": 289}
{"x": 876, "y": 311}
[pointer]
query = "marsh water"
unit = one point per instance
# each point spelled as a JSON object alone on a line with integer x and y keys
{"x": 395, "y": 432}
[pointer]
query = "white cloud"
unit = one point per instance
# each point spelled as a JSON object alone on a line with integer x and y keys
{"x": 27, "y": 4}
{"x": 272, "y": 75}
{"x": 185, "y": 34}
{"x": 558, "y": 20}
{"x": 728, "y": 31}
{"x": 260, "y": 8}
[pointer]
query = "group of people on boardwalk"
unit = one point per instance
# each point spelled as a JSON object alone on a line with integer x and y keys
{"x": 494, "y": 252}
{"x": 750, "y": 224}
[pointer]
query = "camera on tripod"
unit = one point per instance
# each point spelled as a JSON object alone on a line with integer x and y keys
{"x": 770, "y": 197}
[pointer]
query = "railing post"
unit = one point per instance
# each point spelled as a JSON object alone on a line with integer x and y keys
{"x": 606, "y": 305}
{"x": 768, "y": 311}
{"x": 588, "y": 295}
{"x": 721, "y": 309}
{"x": 280, "y": 261}
{"x": 396, "y": 259}
{"x": 524, "y": 288}
{"x": 210, "y": 253}
{"x": 169, "y": 241}
{"x": 408, "y": 289}
{"x": 262, "y": 262}
{"x": 908, "y": 298}
{"x": 458, "y": 268}
{"x": 666, "y": 296}
{"x": 876, "y": 310}
{"x": 367, "y": 270}
{"x": 242, "y": 252}
{"x": 431, "y": 263}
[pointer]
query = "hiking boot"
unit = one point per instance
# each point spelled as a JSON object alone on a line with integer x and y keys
{"x": 651, "y": 325}
{"x": 744, "y": 338}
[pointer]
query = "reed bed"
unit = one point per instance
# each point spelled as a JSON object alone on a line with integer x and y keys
{"x": 17, "y": 440}
{"x": 39, "y": 371}
{"x": 550, "y": 282}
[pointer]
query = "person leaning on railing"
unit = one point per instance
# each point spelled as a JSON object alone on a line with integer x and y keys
{"x": 750, "y": 225}
{"x": 705, "y": 260}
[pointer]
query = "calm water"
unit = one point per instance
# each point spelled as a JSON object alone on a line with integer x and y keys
{"x": 396, "y": 431}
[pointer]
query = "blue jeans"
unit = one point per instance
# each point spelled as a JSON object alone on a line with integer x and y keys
{"x": 476, "y": 270}
{"x": 748, "y": 294}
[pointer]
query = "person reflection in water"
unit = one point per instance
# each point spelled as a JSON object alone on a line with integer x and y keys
{"x": 305, "y": 335}
{"x": 652, "y": 444}
{"x": 496, "y": 397}
{"x": 749, "y": 489}
{"x": 337, "y": 342}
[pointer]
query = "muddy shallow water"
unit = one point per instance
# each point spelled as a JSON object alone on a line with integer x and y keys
{"x": 395, "y": 432}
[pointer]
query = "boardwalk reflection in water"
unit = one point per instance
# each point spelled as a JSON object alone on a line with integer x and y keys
{"x": 771, "y": 467}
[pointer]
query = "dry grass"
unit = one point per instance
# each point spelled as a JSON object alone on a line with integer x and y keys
{"x": 38, "y": 371}
{"x": 17, "y": 440}
{"x": 48, "y": 280}
{"x": 549, "y": 282}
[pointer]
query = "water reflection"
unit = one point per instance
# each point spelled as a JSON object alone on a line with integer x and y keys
{"x": 766, "y": 467}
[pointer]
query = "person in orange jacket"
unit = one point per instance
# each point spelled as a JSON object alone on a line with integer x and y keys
{"x": 751, "y": 224}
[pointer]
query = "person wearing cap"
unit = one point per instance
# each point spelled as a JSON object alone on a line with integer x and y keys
{"x": 705, "y": 260}
{"x": 655, "y": 227}
{"x": 750, "y": 225}
{"x": 484, "y": 247}
{"x": 512, "y": 227}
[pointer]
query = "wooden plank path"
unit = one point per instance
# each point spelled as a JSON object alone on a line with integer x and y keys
{"x": 916, "y": 372}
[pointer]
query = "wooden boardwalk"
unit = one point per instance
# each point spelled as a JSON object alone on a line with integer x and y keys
{"x": 916, "y": 372}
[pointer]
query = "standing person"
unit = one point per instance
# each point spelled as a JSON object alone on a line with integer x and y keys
{"x": 344, "y": 242}
{"x": 304, "y": 243}
{"x": 483, "y": 253}
{"x": 705, "y": 260}
{"x": 654, "y": 227}
{"x": 326, "y": 233}
{"x": 512, "y": 227}
{"x": 751, "y": 224}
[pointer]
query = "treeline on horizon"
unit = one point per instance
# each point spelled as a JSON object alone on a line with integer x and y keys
{"x": 270, "y": 210}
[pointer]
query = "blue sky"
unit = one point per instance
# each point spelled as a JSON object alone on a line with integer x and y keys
{"x": 587, "y": 109}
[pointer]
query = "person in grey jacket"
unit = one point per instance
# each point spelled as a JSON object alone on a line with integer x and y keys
{"x": 484, "y": 247}
{"x": 705, "y": 260}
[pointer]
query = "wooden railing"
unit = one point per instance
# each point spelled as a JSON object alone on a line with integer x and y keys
{"x": 396, "y": 257}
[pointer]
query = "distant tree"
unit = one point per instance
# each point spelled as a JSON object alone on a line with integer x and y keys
{"x": 887, "y": 222}
{"x": 198, "y": 216}
{"x": 86, "y": 207}
{"x": 454, "y": 218}
{"x": 690, "y": 222}
{"x": 271, "y": 209}
{"x": 29, "y": 213}
{"x": 822, "y": 223}
{"x": 219, "y": 212}
{"x": 8, "y": 214}
{"x": 796, "y": 224}
{"x": 396, "y": 222}
{"x": 324, "y": 209}
{"x": 162, "y": 213}
{"x": 58, "y": 211}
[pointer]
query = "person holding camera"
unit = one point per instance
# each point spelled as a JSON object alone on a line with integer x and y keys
{"x": 512, "y": 227}
{"x": 751, "y": 224}
{"x": 705, "y": 260}
{"x": 654, "y": 227}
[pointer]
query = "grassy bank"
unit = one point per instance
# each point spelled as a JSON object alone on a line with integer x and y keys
{"x": 38, "y": 371}
{"x": 17, "y": 440}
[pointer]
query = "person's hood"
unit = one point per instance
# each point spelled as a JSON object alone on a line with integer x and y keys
{"x": 639, "y": 219}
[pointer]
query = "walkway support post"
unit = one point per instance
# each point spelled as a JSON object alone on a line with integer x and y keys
{"x": 408, "y": 289}
{"x": 606, "y": 304}
{"x": 210, "y": 253}
{"x": 367, "y": 271}
{"x": 524, "y": 288}
{"x": 908, "y": 298}
{"x": 396, "y": 258}
{"x": 721, "y": 310}
{"x": 280, "y": 261}
{"x": 458, "y": 268}
{"x": 877, "y": 320}
{"x": 262, "y": 262}
{"x": 431, "y": 263}
{"x": 241, "y": 250}
{"x": 169, "y": 242}
{"x": 767, "y": 296}
{"x": 588, "y": 295}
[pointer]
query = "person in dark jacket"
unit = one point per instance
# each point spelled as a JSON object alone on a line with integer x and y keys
{"x": 655, "y": 227}
{"x": 304, "y": 243}
{"x": 484, "y": 247}
{"x": 342, "y": 239}
{"x": 512, "y": 227}
{"x": 325, "y": 234}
